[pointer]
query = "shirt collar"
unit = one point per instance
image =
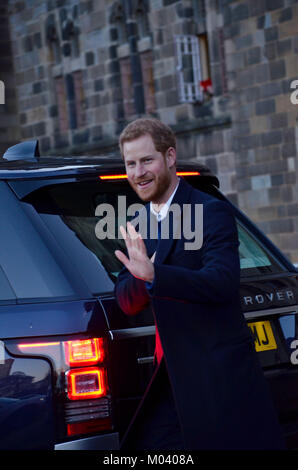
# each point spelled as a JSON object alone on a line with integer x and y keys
{"x": 164, "y": 210}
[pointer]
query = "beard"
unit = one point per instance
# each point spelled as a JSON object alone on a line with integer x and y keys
{"x": 157, "y": 188}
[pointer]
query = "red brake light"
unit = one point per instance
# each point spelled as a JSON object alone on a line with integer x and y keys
{"x": 124, "y": 176}
{"x": 94, "y": 425}
{"x": 112, "y": 177}
{"x": 188, "y": 173}
{"x": 82, "y": 361}
{"x": 86, "y": 383}
{"x": 84, "y": 352}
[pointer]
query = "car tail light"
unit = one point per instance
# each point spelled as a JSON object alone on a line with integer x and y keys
{"x": 88, "y": 426}
{"x": 86, "y": 383}
{"x": 87, "y": 406}
{"x": 113, "y": 177}
{"x": 84, "y": 352}
{"x": 188, "y": 173}
{"x": 124, "y": 176}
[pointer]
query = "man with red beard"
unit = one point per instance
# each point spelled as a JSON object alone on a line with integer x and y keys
{"x": 208, "y": 390}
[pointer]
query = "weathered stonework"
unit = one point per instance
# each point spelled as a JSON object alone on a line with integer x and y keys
{"x": 9, "y": 123}
{"x": 84, "y": 69}
{"x": 265, "y": 120}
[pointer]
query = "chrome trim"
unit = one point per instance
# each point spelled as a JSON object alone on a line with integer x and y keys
{"x": 290, "y": 309}
{"x": 101, "y": 442}
{"x": 132, "y": 332}
{"x": 127, "y": 333}
{"x": 145, "y": 360}
{"x": 2, "y": 352}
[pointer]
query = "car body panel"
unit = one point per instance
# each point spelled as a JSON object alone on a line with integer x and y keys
{"x": 26, "y": 404}
{"x": 260, "y": 294}
{"x": 56, "y": 318}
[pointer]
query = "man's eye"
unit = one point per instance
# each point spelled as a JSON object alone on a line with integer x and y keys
{"x": 148, "y": 160}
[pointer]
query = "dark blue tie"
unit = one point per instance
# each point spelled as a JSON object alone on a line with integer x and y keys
{"x": 159, "y": 230}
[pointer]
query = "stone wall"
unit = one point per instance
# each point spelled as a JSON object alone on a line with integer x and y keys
{"x": 84, "y": 69}
{"x": 9, "y": 123}
{"x": 261, "y": 57}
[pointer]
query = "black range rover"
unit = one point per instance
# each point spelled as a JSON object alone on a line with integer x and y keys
{"x": 73, "y": 366}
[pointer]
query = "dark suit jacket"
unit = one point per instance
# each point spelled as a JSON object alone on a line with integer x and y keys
{"x": 219, "y": 389}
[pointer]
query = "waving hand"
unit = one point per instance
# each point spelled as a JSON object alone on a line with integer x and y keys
{"x": 138, "y": 263}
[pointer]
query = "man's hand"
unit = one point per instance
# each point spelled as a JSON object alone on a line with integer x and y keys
{"x": 138, "y": 263}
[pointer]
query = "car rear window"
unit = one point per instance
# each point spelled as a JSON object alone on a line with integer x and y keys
{"x": 31, "y": 267}
{"x": 7, "y": 294}
{"x": 68, "y": 211}
{"x": 69, "y": 259}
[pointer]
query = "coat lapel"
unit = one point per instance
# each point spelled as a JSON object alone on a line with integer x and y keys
{"x": 165, "y": 245}
{"x": 150, "y": 241}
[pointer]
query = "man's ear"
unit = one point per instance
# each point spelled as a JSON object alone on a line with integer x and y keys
{"x": 171, "y": 157}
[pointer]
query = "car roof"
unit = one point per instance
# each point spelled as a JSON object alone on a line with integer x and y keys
{"x": 35, "y": 166}
{"x": 63, "y": 166}
{"x": 55, "y": 166}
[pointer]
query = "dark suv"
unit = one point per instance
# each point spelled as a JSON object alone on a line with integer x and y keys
{"x": 73, "y": 366}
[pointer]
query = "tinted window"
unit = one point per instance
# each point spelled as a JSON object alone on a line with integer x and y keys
{"x": 6, "y": 292}
{"x": 69, "y": 253}
{"x": 68, "y": 210}
{"x": 254, "y": 258}
{"x": 30, "y": 265}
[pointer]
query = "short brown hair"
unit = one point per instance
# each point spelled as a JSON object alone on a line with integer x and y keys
{"x": 162, "y": 135}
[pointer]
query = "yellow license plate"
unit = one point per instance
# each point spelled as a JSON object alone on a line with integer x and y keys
{"x": 263, "y": 335}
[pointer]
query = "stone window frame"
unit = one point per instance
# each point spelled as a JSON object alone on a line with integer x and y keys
{"x": 63, "y": 118}
{"x": 139, "y": 14}
{"x": 117, "y": 17}
{"x": 187, "y": 49}
{"x": 64, "y": 31}
{"x": 53, "y": 38}
{"x": 147, "y": 65}
{"x": 70, "y": 35}
{"x": 71, "y": 109}
{"x": 80, "y": 103}
{"x": 144, "y": 47}
{"x": 126, "y": 85}
{"x": 62, "y": 35}
{"x": 192, "y": 65}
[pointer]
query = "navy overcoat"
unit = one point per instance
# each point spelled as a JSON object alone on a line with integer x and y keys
{"x": 222, "y": 398}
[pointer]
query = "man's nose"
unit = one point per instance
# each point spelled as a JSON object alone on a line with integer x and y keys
{"x": 140, "y": 170}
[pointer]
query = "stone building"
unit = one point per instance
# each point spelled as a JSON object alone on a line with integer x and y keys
{"x": 9, "y": 120}
{"x": 219, "y": 72}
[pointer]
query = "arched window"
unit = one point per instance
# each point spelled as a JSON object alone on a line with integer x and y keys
{"x": 118, "y": 19}
{"x": 141, "y": 16}
{"x": 53, "y": 39}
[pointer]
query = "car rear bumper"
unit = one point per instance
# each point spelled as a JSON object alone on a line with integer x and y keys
{"x": 102, "y": 442}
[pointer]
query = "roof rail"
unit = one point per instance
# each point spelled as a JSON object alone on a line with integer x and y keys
{"x": 27, "y": 150}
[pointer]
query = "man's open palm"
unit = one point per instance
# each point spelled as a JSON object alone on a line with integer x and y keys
{"x": 137, "y": 262}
